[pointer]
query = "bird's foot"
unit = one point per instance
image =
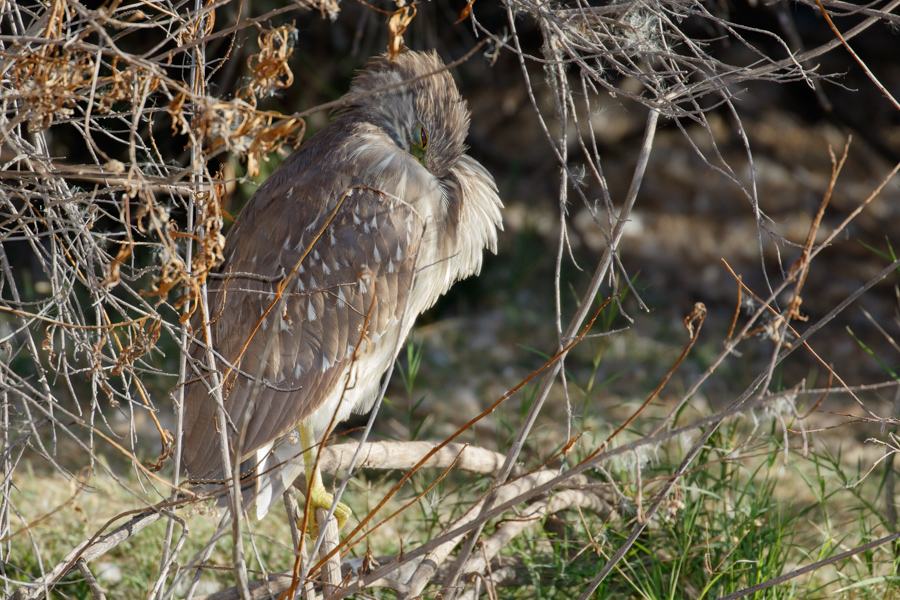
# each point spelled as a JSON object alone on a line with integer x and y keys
{"x": 319, "y": 497}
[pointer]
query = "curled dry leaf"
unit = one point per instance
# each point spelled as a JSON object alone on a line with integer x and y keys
{"x": 212, "y": 243}
{"x": 47, "y": 344}
{"x": 270, "y": 65}
{"x": 168, "y": 450}
{"x": 237, "y": 124}
{"x": 272, "y": 138}
{"x": 112, "y": 270}
{"x": 397, "y": 24}
{"x": 698, "y": 314}
{"x": 50, "y": 80}
{"x": 208, "y": 255}
{"x": 146, "y": 334}
{"x": 198, "y": 26}
{"x": 176, "y": 111}
{"x": 120, "y": 86}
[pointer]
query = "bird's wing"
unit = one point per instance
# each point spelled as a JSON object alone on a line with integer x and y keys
{"x": 342, "y": 255}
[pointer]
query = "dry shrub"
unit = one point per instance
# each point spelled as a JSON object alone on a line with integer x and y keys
{"x": 116, "y": 129}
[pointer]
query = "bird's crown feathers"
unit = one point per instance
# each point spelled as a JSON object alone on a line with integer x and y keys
{"x": 414, "y": 89}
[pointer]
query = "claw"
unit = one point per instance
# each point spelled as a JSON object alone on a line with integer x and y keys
{"x": 318, "y": 497}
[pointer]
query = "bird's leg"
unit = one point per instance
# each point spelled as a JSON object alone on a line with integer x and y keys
{"x": 318, "y": 496}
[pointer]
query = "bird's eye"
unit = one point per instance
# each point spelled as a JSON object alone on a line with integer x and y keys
{"x": 419, "y": 143}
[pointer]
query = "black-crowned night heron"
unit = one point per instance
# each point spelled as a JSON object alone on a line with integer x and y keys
{"x": 345, "y": 244}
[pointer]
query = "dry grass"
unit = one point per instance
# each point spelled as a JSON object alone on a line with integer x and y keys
{"x": 723, "y": 469}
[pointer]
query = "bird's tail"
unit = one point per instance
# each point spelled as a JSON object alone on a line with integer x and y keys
{"x": 277, "y": 471}
{"x": 267, "y": 476}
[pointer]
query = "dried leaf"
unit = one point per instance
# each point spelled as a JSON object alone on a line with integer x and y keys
{"x": 270, "y": 65}
{"x": 146, "y": 338}
{"x": 464, "y": 14}
{"x": 112, "y": 270}
{"x": 176, "y": 111}
{"x": 168, "y": 450}
{"x": 397, "y": 24}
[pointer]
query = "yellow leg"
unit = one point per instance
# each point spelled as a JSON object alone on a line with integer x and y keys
{"x": 318, "y": 495}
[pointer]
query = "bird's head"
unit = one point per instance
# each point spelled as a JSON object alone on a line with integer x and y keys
{"x": 425, "y": 117}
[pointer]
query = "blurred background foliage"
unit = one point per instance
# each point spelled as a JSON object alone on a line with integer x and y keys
{"x": 488, "y": 332}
